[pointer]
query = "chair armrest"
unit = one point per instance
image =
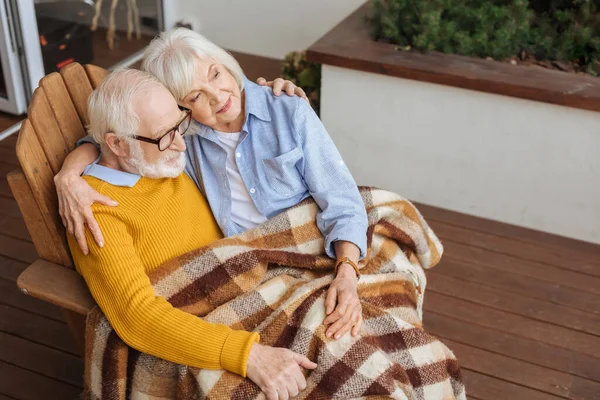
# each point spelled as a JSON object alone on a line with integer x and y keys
{"x": 58, "y": 285}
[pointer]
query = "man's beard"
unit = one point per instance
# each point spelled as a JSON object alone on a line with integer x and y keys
{"x": 171, "y": 164}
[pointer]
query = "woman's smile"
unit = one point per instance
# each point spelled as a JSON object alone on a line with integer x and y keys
{"x": 226, "y": 107}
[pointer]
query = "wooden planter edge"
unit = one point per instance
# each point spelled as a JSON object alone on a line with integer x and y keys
{"x": 349, "y": 45}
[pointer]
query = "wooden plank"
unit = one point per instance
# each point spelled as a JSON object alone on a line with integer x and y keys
{"x": 45, "y": 124}
{"x": 9, "y": 142}
{"x": 513, "y": 346}
{"x": 43, "y": 240}
{"x": 76, "y": 324}
{"x": 8, "y": 156}
{"x": 5, "y": 168}
{"x": 8, "y": 120}
{"x": 510, "y": 231}
{"x": 518, "y": 249}
{"x": 37, "y": 329}
{"x": 14, "y": 227}
{"x": 473, "y": 313}
{"x": 516, "y": 304}
{"x": 17, "y": 249}
{"x": 503, "y": 262}
{"x": 41, "y": 359}
{"x": 518, "y": 284}
{"x": 95, "y": 74}
{"x": 79, "y": 87}
{"x": 52, "y": 240}
{"x": 26, "y": 385}
{"x": 518, "y": 372}
{"x": 9, "y": 207}
{"x": 5, "y": 188}
{"x": 63, "y": 109}
{"x": 10, "y": 295}
{"x": 60, "y": 286}
{"x": 11, "y": 269}
{"x": 486, "y": 387}
{"x": 584, "y": 389}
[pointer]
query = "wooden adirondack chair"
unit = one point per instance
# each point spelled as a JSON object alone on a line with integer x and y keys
{"x": 57, "y": 117}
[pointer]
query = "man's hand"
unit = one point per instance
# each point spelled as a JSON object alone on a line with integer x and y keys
{"x": 279, "y": 85}
{"x": 277, "y": 371}
{"x": 342, "y": 305}
{"x": 75, "y": 198}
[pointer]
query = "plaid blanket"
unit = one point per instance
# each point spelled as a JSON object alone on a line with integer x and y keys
{"x": 273, "y": 279}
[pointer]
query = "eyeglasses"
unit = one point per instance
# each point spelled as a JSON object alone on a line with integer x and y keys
{"x": 167, "y": 139}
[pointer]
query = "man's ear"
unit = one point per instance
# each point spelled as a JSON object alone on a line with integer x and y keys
{"x": 117, "y": 145}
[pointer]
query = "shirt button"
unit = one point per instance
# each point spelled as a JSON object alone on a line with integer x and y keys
{"x": 252, "y": 190}
{"x": 341, "y": 162}
{"x": 238, "y": 155}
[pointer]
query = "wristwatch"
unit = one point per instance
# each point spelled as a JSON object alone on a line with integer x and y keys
{"x": 346, "y": 260}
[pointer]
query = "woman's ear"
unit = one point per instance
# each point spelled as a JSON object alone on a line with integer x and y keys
{"x": 117, "y": 145}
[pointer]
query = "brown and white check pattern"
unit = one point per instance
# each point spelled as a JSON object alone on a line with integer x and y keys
{"x": 273, "y": 280}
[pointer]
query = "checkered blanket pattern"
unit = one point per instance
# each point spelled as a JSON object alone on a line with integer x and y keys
{"x": 273, "y": 280}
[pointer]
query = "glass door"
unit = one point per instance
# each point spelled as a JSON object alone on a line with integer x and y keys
{"x": 38, "y": 37}
{"x": 99, "y": 32}
{"x": 13, "y": 71}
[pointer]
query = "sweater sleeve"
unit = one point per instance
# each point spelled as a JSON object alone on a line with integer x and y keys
{"x": 118, "y": 282}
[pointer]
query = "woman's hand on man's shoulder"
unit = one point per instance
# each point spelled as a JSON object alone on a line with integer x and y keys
{"x": 280, "y": 85}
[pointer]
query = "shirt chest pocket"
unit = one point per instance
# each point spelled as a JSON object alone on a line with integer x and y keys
{"x": 283, "y": 175}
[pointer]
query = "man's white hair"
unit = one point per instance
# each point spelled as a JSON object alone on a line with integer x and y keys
{"x": 110, "y": 106}
{"x": 171, "y": 57}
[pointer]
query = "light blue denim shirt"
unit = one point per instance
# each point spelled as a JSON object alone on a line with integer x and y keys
{"x": 284, "y": 156}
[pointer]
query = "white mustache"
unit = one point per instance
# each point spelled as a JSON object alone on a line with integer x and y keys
{"x": 171, "y": 155}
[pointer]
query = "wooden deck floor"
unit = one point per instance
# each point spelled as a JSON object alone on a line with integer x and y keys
{"x": 521, "y": 310}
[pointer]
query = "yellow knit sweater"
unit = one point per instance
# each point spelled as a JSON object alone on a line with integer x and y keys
{"x": 155, "y": 221}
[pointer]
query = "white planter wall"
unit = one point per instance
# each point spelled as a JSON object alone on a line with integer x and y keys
{"x": 269, "y": 28}
{"x": 517, "y": 161}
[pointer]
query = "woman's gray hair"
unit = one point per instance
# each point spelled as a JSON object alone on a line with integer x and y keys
{"x": 171, "y": 57}
{"x": 110, "y": 106}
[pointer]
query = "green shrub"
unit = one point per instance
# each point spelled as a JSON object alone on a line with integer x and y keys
{"x": 562, "y": 30}
{"x": 305, "y": 74}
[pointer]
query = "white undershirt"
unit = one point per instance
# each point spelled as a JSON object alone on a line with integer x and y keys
{"x": 243, "y": 211}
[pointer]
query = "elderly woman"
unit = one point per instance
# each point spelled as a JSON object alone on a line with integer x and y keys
{"x": 252, "y": 155}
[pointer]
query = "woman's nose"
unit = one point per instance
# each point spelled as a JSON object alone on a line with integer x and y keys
{"x": 212, "y": 94}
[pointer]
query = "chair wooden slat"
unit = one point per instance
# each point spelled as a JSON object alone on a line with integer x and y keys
{"x": 39, "y": 175}
{"x": 79, "y": 87}
{"x": 63, "y": 108}
{"x": 50, "y": 136}
{"x": 57, "y": 285}
{"x": 95, "y": 74}
{"x": 45, "y": 244}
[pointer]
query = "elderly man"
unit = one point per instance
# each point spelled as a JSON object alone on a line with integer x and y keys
{"x": 161, "y": 215}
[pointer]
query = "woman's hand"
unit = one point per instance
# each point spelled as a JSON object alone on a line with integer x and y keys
{"x": 277, "y": 371}
{"x": 279, "y": 85}
{"x": 75, "y": 198}
{"x": 342, "y": 305}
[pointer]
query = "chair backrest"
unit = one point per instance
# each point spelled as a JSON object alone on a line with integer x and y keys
{"x": 56, "y": 119}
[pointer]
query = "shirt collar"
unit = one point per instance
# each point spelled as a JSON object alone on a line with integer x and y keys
{"x": 112, "y": 176}
{"x": 256, "y": 101}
